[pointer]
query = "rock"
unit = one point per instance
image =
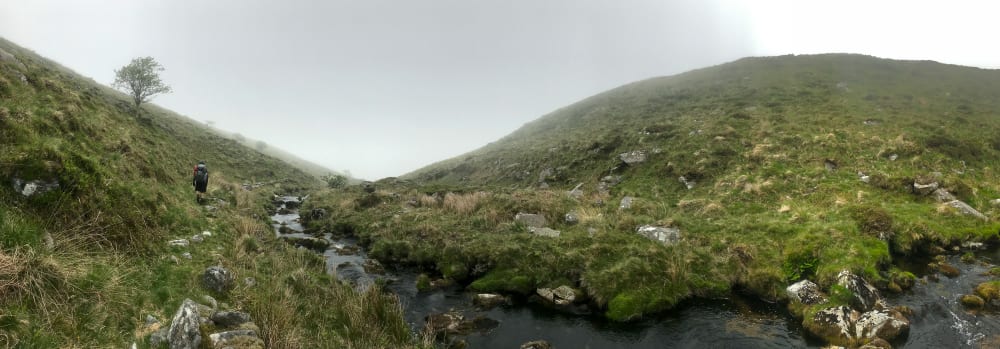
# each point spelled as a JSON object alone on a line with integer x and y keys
{"x": 186, "y": 255}
{"x": 973, "y": 245}
{"x": 833, "y": 324}
{"x": 319, "y": 213}
{"x": 571, "y": 218}
{"x": 547, "y": 232}
{"x": 576, "y": 193}
{"x": 784, "y": 208}
{"x": 972, "y": 301}
{"x": 229, "y": 319}
{"x": 185, "y": 331}
{"x": 942, "y": 195}
{"x": 536, "y": 345}
{"x": 217, "y": 279}
{"x": 995, "y": 202}
{"x": 206, "y": 233}
{"x": 805, "y": 292}
{"x": 488, "y": 300}
{"x": 608, "y": 182}
{"x": 688, "y": 184}
{"x": 531, "y": 219}
{"x": 988, "y": 291}
{"x": 210, "y": 301}
{"x": 863, "y": 177}
{"x": 878, "y": 343}
{"x": 308, "y": 242}
{"x": 159, "y": 338}
{"x": 886, "y": 324}
{"x": 893, "y": 157}
{"x": 865, "y": 295}
{"x": 197, "y": 238}
{"x": 964, "y": 208}
{"x": 35, "y": 187}
{"x": 244, "y": 339}
{"x": 562, "y": 295}
{"x": 178, "y": 242}
{"x": 665, "y": 235}
{"x": 830, "y": 165}
{"x": 249, "y": 281}
{"x": 626, "y": 203}
{"x": 633, "y": 157}
{"x": 924, "y": 189}
{"x": 372, "y": 266}
{"x": 151, "y": 320}
{"x": 211, "y": 209}
{"x": 454, "y": 323}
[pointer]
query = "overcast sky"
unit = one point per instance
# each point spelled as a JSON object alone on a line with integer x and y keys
{"x": 381, "y": 88}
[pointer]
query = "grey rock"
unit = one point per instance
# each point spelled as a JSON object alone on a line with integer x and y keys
{"x": 562, "y": 295}
{"x": 973, "y": 245}
{"x": 186, "y": 255}
{"x": 964, "y": 208}
{"x": 924, "y": 189}
{"x": 833, "y": 324}
{"x": 665, "y": 235}
{"x": 236, "y": 339}
{"x": 308, "y": 242}
{"x": 608, "y": 182}
{"x": 217, "y": 279}
{"x": 687, "y": 184}
{"x": 185, "y": 331}
{"x": 633, "y": 157}
{"x": 942, "y": 195}
{"x": 531, "y": 219}
{"x": 158, "y": 338}
{"x": 151, "y": 320}
{"x": 178, "y": 242}
{"x": 454, "y": 323}
{"x": 211, "y": 209}
{"x": 893, "y": 157}
{"x": 805, "y": 292}
{"x": 886, "y": 324}
{"x": 536, "y": 345}
{"x": 197, "y": 238}
{"x": 576, "y": 193}
{"x": 865, "y": 295}
{"x": 226, "y": 318}
{"x": 249, "y": 281}
{"x": 35, "y": 187}
{"x": 626, "y": 203}
{"x": 830, "y": 165}
{"x": 488, "y": 300}
{"x": 571, "y": 218}
{"x": 863, "y": 177}
{"x": 547, "y": 232}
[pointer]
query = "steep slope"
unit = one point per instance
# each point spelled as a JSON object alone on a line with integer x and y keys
{"x": 92, "y": 192}
{"x": 754, "y": 174}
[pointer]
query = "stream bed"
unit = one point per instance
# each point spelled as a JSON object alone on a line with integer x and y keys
{"x": 737, "y": 321}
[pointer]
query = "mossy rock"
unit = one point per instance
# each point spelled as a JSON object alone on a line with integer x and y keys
{"x": 972, "y": 301}
{"x": 949, "y": 270}
{"x": 989, "y": 290}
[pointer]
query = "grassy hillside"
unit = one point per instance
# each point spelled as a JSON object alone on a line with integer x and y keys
{"x": 83, "y": 264}
{"x": 793, "y": 167}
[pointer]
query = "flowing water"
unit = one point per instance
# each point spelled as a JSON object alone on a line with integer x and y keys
{"x": 737, "y": 321}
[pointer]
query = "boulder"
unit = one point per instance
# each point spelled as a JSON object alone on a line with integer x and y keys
{"x": 633, "y": 157}
{"x": 972, "y": 301}
{"x": 454, "y": 323}
{"x": 562, "y": 295}
{"x": 488, "y": 300}
{"x": 546, "y": 232}
{"x": 243, "y": 339}
{"x": 964, "y": 208}
{"x": 886, "y": 324}
{"x": 531, "y": 219}
{"x": 230, "y": 319}
{"x": 536, "y": 345}
{"x": 35, "y": 187}
{"x": 865, "y": 295}
{"x": 159, "y": 338}
{"x": 665, "y": 235}
{"x": 185, "y": 331}
{"x": 924, "y": 189}
{"x": 833, "y": 324}
{"x": 626, "y": 203}
{"x": 571, "y": 218}
{"x": 805, "y": 292}
{"x": 942, "y": 195}
{"x": 217, "y": 279}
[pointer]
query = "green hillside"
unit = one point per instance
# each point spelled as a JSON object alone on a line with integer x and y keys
{"x": 91, "y": 195}
{"x": 771, "y": 169}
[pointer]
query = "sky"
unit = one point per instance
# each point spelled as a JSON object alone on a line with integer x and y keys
{"x": 380, "y": 88}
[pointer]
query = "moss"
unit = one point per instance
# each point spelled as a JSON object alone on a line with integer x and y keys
{"x": 972, "y": 301}
{"x": 508, "y": 281}
{"x": 423, "y": 282}
{"x": 989, "y": 290}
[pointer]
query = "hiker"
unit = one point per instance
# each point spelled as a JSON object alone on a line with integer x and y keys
{"x": 200, "y": 180}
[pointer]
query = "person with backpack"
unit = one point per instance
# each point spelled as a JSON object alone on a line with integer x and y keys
{"x": 200, "y": 180}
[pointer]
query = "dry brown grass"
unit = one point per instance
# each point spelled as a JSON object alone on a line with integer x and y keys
{"x": 464, "y": 203}
{"x": 427, "y": 200}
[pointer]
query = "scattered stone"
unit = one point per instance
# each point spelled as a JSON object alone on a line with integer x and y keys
{"x": 206, "y": 233}
{"x": 893, "y": 157}
{"x": 865, "y": 295}
{"x": 562, "y": 295}
{"x": 230, "y": 319}
{"x": 973, "y": 245}
{"x": 942, "y": 195}
{"x": 576, "y": 193}
{"x": 608, "y": 182}
{"x": 964, "y": 208}
{"x": 454, "y": 323}
{"x": 633, "y": 157}
{"x": 244, "y": 339}
{"x": 972, "y": 301}
{"x": 197, "y": 238}
{"x": 547, "y": 232}
{"x": 863, "y": 177}
{"x": 217, "y": 279}
{"x": 571, "y": 218}
{"x": 687, "y": 183}
{"x": 178, "y": 242}
{"x": 185, "y": 331}
{"x": 35, "y": 187}
{"x": 151, "y": 320}
{"x": 805, "y": 292}
{"x": 531, "y": 219}
{"x": 186, "y": 255}
{"x": 249, "y": 281}
{"x": 924, "y": 189}
{"x": 488, "y": 300}
{"x": 626, "y": 203}
{"x": 536, "y": 345}
{"x": 665, "y": 235}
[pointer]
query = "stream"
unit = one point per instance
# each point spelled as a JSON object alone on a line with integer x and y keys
{"x": 737, "y": 321}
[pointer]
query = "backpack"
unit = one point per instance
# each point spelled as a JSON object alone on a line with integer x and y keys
{"x": 201, "y": 174}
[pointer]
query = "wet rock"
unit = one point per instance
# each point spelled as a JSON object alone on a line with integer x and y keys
{"x": 488, "y": 300}
{"x": 633, "y": 157}
{"x": 833, "y": 324}
{"x": 948, "y": 270}
{"x": 308, "y": 242}
{"x": 546, "y": 232}
{"x": 665, "y": 235}
{"x": 805, "y": 292}
{"x": 454, "y": 323}
{"x": 185, "y": 331}
{"x": 372, "y": 266}
{"x": 924, "y": 189}
{"x": 964, "y": 208}
{"x": 626, "y": 203}
{"x": 942, "y": 195}
{"x": 217, "y": 279}
{"x": 972, "y": 301}
{"x": 571, "y": 218}
{"x": 865, "y": 295}
{"x": 562, "y": 295}
{"x": 229, "y": 319}
{"x": 843, "y": 326}
{"x": 35, "y": 187}
{"x": 878, "y": 343}
{"x": 973, "y": 245}
{"x": 886, "y": 324}
{"x": 531, "y": 219}
{"x": 536, "y": 345}
{"x": 243, "y": 339}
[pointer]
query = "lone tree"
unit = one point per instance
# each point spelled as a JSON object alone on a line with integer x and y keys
{"x": 140, "y": 79}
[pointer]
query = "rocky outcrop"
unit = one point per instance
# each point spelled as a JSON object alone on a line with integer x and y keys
{"x": 217, "y": 279}
{"x": 546, "y": 232}
{"x": 925, "y": 189}
{"x": 562, "y": 295}
{"x": 185, "y": 332}
{"x": 228, "y": 318}
{"x": 633, "y": 157}
{"x": 805, "y": 292}
{"x": 243, "y": 339}
{"x": 531, "y": 219}
{"x": 964, "y": 208}
{"x": 942, "y": 195}
{"x": 844, "y": 326}
{"x": 865, "y": 295}
{"x": 665, "y": 235}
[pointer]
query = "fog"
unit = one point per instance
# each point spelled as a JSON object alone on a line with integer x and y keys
{"x": 381, "y": 88}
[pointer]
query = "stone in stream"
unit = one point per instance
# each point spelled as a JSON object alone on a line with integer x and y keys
{"x": 562, "y": 295}
{"x": 217, "y": 279}
{"x": 488, "y": 300}
{"x": 536, "y": 345}
{"x": 454, "y": 323}
{"x": 185, "y": 331}
{"x": 805, "y": 292}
